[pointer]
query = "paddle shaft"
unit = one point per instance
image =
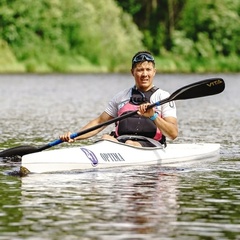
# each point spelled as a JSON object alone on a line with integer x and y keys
{"x": 74, "y": 135}
{"x": 202, "y": 88}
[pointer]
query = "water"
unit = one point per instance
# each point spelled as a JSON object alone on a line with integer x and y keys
{"x": 199, "y": 201}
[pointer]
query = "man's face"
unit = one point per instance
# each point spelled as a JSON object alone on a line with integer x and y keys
{"x": 144, "y": 73}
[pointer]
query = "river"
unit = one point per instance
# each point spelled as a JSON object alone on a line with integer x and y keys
{"x": 199, "y": 201}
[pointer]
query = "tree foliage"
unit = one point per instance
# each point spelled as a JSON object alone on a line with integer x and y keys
{"x": 212, "y": 26}
{"x": 75, "y": 35}
{"x": 156, "y": 19}
{"x": 43, "y": 31}
{"x": 199, "y": 28}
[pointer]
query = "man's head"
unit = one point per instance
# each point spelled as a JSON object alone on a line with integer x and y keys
{"x": 142, "y": 56}
{"x": 143, "y": 70}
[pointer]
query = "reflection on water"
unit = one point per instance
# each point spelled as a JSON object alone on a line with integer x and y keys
{"x": 199, "y": 201}
{"x": 102, "y": 203}
{"x": 212, "y": 207}
{"x": 127, "y": 203}
{"x": 10, "y": 213}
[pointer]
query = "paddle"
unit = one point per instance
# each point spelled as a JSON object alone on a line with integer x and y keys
{"x": 202, "y": 88}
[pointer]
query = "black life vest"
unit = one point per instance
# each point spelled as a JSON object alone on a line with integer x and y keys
{"x": 136, "y": 124}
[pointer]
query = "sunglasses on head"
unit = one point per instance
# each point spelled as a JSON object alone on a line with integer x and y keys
{"x": 141, "y": 57}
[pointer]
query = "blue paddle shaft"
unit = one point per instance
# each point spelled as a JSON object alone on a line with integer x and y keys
{"x": 58, "y": 141}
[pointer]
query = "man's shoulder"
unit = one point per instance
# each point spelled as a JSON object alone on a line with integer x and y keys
{"x": 162, "y": 93}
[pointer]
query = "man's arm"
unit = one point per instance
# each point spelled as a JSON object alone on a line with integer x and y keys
{"x": 100, "y": 119}
{"x": 168, "y": 125}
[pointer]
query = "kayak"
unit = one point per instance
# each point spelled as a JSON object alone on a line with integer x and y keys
{"x": 108, "y": 154}
{"x": 105, "y": 154}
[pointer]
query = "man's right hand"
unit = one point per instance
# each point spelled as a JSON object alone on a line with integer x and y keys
{"x": 66, "y": 137}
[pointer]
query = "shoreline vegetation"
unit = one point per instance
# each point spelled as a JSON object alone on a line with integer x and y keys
{"x": 163, "y": 65}
{"x": 88, "y": 36}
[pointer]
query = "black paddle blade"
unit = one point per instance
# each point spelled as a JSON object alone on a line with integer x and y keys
{"x": 18, "y": 151}
{"x": 203, "y": 88}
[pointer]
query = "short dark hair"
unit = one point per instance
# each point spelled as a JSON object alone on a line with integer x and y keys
{"x": 142, "y": 56}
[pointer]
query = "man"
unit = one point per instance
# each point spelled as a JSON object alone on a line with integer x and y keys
{"x": 148, "y": 124}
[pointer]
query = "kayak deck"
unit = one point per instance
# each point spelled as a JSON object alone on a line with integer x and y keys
{"x": 107, "y": 154}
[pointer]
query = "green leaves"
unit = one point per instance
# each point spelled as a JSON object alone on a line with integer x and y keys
{"x": 213, "y": 26}
{"x": 43, "y": 34}
{"x": 90, "y": 35}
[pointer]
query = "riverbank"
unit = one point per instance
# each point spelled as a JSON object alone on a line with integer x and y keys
{"x": 167, "y": 64}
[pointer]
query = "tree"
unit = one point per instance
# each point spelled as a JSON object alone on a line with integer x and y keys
{"x": 212, "y": 25}
{"x": 53, "y": 33}
{"x": 156, "y": 19}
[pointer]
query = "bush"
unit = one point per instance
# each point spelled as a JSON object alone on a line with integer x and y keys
{"x": 47, "y": 33}
{"x": 8, "y": 61}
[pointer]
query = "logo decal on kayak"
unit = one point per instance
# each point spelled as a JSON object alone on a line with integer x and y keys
{"x": 112, "y": 157}
{"x": 91, "y": 156}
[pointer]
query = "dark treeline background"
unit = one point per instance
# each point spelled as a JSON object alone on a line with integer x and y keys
{"x": 102, "y": 36}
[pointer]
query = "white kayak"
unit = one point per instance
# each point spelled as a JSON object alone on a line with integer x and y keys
{"x": 108, "y": 154}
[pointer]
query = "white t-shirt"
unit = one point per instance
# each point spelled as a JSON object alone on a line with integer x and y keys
{"x": 123, "y": 97}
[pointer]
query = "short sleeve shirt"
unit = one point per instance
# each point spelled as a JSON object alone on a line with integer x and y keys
{"x": 123, "y": 97}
